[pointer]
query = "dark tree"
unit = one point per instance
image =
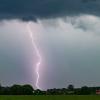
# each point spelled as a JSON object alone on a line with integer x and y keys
{"x": 27, "y": 89}
{"x": 16, "y": 90}
{"x": 70, "y": 87}
{"x": 22, "y": 90}
{"x": 85, "y": 90}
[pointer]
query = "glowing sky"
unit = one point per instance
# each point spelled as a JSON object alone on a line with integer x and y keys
{"x": 69, "y": 43}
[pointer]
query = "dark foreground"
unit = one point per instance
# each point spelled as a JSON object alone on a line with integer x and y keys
{"x": 92, "y": 97}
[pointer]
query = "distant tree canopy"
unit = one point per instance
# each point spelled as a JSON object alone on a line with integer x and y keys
{"x": 17, "y": 90}
{"x": 28, "y": 90}
{"x": 85, "y": 90}
{"x": 25, "y": 89}
{"x": 70, "y": 87}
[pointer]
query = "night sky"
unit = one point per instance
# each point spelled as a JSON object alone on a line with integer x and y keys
{"x": 67, "y": 34}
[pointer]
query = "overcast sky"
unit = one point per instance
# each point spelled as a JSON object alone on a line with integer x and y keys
{"x": 67, "y": 35}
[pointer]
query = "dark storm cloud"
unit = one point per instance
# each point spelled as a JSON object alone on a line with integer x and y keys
{"x": 32, "y": 9}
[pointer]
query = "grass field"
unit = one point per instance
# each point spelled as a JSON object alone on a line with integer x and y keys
{"x": 50, "y": 97}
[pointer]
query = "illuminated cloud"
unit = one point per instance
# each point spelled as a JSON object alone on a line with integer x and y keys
{"x": 69, "y": 46}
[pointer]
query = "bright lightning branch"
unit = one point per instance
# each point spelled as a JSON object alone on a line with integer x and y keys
{"x": 37, "y": 53}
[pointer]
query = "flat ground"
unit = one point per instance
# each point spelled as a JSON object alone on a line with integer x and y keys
{"x": 95, "y": 97}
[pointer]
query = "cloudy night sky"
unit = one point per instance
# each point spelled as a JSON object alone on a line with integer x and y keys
{"x": 67, "y": 34}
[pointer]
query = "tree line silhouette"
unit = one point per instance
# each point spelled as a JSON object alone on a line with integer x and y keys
{"x": 28, "y": 90}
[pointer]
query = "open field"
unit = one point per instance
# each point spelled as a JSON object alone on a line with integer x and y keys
{"x": 50, "y": 97}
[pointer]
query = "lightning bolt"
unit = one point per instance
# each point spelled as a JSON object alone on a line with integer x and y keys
{"x": 37, "y": 53}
